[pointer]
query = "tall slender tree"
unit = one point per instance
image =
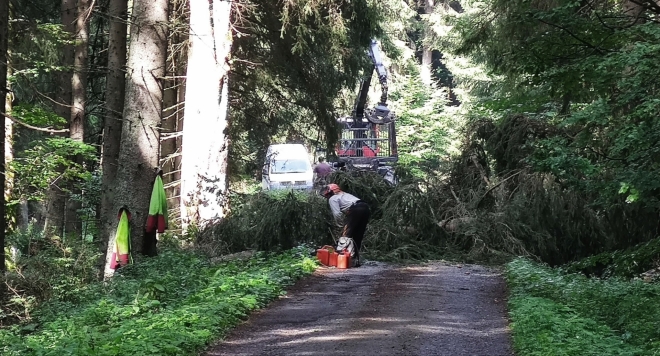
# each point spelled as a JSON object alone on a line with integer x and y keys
{"x": 4, "y": 33}
{"x": 140, "y": 137}
{"x": 57, "y": 195}
{"x": 114, "y": 106}
{"x": 173, "y": 108}
{"x": 427, "y": 50}
{"x": 205, "y": 145}
{"x": 78, "y": 103}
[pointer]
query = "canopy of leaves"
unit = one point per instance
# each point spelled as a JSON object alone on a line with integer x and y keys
{"x": 586, "y": 69}
{"x": 290, "y": 61}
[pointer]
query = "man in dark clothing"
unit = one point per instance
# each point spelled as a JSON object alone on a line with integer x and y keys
{"x": 322, "y": 170}
{"x": 355, "y": 211}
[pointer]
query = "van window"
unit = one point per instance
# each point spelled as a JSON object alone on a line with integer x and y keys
{"x": 290, "y": 166}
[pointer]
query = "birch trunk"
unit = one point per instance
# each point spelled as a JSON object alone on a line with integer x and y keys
{"x": 114, "y": 106}
{"x": 205, "y": 144}
{"x": 139, "y": 149}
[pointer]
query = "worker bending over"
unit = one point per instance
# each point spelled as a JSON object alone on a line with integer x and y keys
{"x": 356, "y": 214}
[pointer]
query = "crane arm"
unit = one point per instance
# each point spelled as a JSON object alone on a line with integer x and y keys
{"x": 380, "y": 113}
{"x": 377, "y": 60}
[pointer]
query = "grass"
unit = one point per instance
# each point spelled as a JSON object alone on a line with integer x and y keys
{"x": 554, "y": 313}
{"x": 173, "y": 304}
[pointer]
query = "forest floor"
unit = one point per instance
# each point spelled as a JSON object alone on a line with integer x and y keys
{"x": 380, "y": 309}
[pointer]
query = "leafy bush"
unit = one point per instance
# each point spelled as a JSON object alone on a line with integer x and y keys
{"x": 629, "y": 309}
{"x": 172, "y": 304}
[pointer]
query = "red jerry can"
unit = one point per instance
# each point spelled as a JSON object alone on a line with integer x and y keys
{"x": 323, "y": 254}
{"x": 343, "y": 261}
{"x": 332, "y": 260}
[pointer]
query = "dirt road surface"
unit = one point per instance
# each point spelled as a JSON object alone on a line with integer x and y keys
{"x": 378, "y": 309}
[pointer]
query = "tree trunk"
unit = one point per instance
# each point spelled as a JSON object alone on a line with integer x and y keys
{"x": 114, "y": 106}
{"x": 57, "y": 196}
{"x": 173, "y": 112}
{"x": 78, "y": 99}
{"x": 139, "y": 149}
{"x": 4, "y": 33}
{"x": 426, "y": 72}
{"x": 9, "y": 147}
{"x": 22, "y": 212}
{"x": 205, "y": 144}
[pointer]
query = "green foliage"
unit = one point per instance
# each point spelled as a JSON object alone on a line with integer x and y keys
{"x": 46, "y": 267}
{"x": 626, "y": 263}
{"x": 51, "y": 161}
{"x": 424, "y": 127}
{"x": 587, "y": 72}
{"x": 270, "y": 221}
{"x": 36, "y": 49}
{"x": 38, "y": 116}
{"x": 289, "y": 65}
{"x": 550, "y": 308}
{"x": 172, "y": 304}
{"x": 543, "y": 327}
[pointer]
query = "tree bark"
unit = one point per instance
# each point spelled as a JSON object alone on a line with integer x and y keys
{"x": 426, "y": 71}
{"x": 114, "y": 107}
{"x": 22, "y": 212}
{"x": 9, "y": 145}
{"x": 173, "y": 113}
{"x": 57, "y": 196}
{"x": 4, "y": 33}
{"x": 73, "y": 224}
{"x": 139, "y": 149}
{"x": 205, "y": 144}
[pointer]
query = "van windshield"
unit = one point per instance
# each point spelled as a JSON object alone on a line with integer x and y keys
{"x": 290, "y": 166}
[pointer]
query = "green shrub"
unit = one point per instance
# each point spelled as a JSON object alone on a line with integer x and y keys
{"x": 630, "y": 309}
{"x": 173, "y": 304}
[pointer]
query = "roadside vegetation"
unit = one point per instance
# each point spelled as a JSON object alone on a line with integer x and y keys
{"x": 173, "y": 304}
{"x": 558, "y": 313}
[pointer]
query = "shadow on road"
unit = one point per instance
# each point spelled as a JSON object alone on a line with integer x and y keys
{"x": 432, "y": 309}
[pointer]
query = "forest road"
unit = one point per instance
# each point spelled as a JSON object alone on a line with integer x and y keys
{"x": 379, "y": 309}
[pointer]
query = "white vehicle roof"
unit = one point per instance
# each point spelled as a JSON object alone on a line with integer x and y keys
{"x": 287, "y": 151}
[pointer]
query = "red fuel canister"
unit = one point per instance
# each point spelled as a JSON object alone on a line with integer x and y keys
{"x": 323, "y": 256}
{"x": 332, "y": 259}
{"x": 343, "y": 261}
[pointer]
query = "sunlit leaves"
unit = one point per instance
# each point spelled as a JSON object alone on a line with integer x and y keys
{"x": 38, "y": 167}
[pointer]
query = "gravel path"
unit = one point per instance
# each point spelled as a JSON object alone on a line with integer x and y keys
{"x": 378, "y": 309}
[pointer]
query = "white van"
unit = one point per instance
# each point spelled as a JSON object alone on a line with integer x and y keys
{"x": 287, "y": 166}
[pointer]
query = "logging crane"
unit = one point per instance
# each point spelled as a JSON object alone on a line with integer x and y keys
{"x": 368, "y": 135}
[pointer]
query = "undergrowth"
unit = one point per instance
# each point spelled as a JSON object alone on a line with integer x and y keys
{"x": 554, "y": 313}
{"x": 43, "y": 267}
{"x": 172, "y": 304}
{"x": 626, "y": 263}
